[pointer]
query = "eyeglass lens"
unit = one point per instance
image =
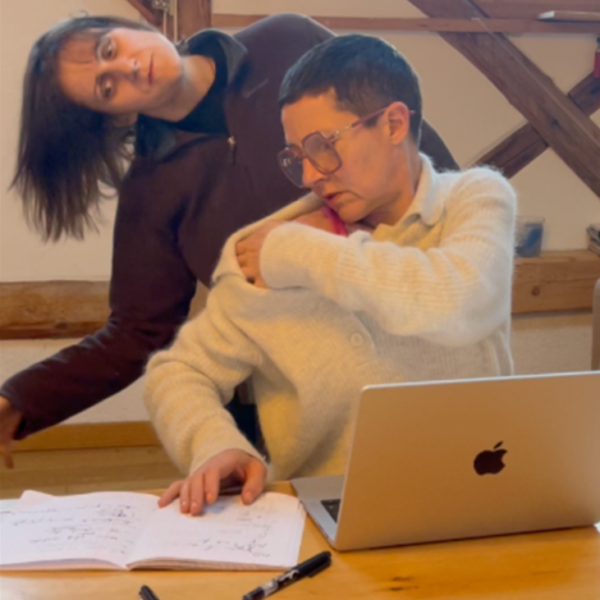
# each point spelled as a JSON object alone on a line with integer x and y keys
{"x": 318, "y": 150}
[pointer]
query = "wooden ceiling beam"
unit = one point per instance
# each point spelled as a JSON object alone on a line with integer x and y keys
{"x": 513, "y": 26}
{"x": 572, "y": 135}
{"x": 530, "y": 9}
{"x": 151, "y": 16}
{"x": 195, "y": 15}
{"x": 524, "y": 145}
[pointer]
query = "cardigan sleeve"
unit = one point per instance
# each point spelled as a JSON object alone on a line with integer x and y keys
{"x": 454, "y": 294}
{"x": 188, "y": 385}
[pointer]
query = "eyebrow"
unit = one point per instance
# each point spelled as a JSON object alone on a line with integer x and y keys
{"x": 97, "y": 93}
{"x": 97, "y": 46}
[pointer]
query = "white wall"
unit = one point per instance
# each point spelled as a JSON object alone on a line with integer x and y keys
{"x": 470, "y": 114}
{"x": 23, "y": 257}
{"x": 542, "y": 344}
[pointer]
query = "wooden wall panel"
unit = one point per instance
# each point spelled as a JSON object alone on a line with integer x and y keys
{"x": 556, "y": 281}
{"x": 52, "y": 309}
{"x": 91, "y": 435}
{"x": 60, "y": 309}
{"x": 561, "y": 281}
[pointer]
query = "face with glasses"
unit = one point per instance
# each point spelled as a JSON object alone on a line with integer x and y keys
{"x": 354, "y": 164}
{"x": 120, "y": 71}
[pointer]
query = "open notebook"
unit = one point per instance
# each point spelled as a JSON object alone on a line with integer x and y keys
{"x": 127, "y": 530}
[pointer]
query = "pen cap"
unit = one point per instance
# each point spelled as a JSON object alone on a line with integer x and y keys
{"x": 321, "y": 568}
{"x": 314, "y": 565}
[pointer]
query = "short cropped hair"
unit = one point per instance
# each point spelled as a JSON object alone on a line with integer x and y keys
{"x": 366, "y": 73}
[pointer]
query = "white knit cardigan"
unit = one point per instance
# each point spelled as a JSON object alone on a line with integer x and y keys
{"x": 426, "y": 299}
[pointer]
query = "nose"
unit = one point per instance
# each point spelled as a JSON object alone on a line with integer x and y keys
{"x": 310, "y": 174}
{"x": 124, "y": 67}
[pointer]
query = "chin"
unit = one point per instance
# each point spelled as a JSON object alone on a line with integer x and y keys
{"x": 350, "y": 216}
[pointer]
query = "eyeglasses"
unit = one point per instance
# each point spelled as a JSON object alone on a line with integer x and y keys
{"x": 319, "y": 150}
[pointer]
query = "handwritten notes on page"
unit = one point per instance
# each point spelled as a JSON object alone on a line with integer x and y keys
{"x": 96, "y": 530}
{"x": 230, "y": 535}
{"x": 6, "y": 511}
{"x": 124, "y": 530}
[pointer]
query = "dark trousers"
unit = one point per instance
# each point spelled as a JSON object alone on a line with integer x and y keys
{"x": 243, "y": 410}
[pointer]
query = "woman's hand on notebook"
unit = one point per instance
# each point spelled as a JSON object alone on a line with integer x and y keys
{"x": 203, "y": 485}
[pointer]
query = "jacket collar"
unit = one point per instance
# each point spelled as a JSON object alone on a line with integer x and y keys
{"x": 201, "y": 43}
{"x": 427, "y": 204}
{"x": 157, "y": 139}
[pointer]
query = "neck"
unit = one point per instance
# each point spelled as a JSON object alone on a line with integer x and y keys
{"x": 197, "y": 79}
{"x": 408, "y": 175}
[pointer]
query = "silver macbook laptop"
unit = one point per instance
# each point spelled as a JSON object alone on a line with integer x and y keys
{"x": 450, "y": 460}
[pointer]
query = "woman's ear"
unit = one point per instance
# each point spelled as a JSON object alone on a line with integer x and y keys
{"x": 121, "y": 121}
{"x": 398, "y": 120}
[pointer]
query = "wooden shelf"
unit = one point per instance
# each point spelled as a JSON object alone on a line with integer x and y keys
{"x": 555, "y": 281}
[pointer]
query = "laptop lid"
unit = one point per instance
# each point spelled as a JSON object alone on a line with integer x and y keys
{"x": 448, "y": 460}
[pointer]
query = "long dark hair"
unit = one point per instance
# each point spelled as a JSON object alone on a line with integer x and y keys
{"x": 67, "y": 152}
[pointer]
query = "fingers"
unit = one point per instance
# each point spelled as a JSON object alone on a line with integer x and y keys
{"x": 252, "y": 274}
{"x": 241, "y": 248}
{"x": 212, "y": 484}
{"x": 203, "y": 486}
{"x": 193, "y": 492}
{"x": 259, "y": 282}
{"x": 255, "y": 481}
{"x": 196, "y": 492}
{"x": 170, "y": 494}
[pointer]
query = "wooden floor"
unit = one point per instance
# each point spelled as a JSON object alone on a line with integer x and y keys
{"x": 78, "y": 471}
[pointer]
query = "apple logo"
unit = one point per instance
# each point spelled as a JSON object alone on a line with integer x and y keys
{"x": 490, "y": 461}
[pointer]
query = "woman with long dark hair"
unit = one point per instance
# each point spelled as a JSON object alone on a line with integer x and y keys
{"x": 188, "y": 137}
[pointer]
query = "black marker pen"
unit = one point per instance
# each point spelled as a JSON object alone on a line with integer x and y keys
{"x": 309, "y": 568}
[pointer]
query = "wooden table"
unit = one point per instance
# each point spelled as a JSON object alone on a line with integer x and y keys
{"x": 559, "y": 565}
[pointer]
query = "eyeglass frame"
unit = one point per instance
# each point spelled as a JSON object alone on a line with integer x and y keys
{"x": 330, "y": 140}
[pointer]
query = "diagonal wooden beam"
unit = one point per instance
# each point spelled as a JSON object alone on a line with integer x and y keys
{"x": 523, "y": 146}
{"x": 195, "y": 15}
{"x": 586, "y": 94}
{"x": 151, "y": 16}
{"x": 573, "y": 136}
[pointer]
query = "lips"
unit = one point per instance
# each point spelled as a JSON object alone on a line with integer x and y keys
{"x": 331, "y": 197}
{"x": 151, "y": 70}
